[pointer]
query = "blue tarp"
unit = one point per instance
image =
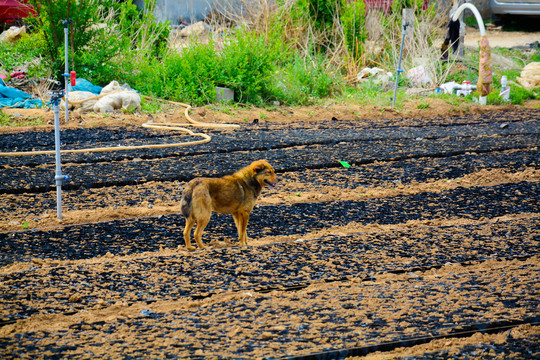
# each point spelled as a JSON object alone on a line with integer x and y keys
{"x": 85, "y": 85}
{"x": 11, "y": 97}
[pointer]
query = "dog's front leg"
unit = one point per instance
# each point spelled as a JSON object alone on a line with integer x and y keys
{"x": 241, "y": 219}
{"x": 237, "y": 221}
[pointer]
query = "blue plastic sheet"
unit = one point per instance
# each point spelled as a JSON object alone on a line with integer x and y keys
{"x": 85, "y": 85}
{"x": 11, "y": 97}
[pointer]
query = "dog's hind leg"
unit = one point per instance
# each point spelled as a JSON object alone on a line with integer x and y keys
{"x": 201, "y": 224}
{"x": 187, "y": 233}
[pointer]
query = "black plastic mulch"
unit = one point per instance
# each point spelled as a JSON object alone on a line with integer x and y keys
{"x": 279, "y": 265}
{"x": 257, "y": 137}
{"x": 309, "y": 324}
{"x": 401, "y": 172}
{"x": 287, "y": 149}
{"x": 150, "y": 234}
{"x": 20, "y": 180}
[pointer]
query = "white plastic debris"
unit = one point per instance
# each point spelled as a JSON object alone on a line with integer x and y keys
{"x": 419, "y": 76}
{"x": 118, "y": 100}
{"x": 117, "y": 97}
{"x": 76, "y": 97}
{"x": 448, "y": 88}
{"x": 530, "y": 76}
{"x": 198, "y": 29}
{"x": 377, "y": 75}
{"x": 12, "y": 34}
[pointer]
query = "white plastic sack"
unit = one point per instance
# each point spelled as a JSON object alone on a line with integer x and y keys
{"x": 530, "y": 76}
{"x": 76, "y": 96}
{"x": 419, "y": 76}
{"x": 118, "y": 100}
{"x": 369, "y": 72}
{"x": 378, "y": 75}
{"x": 12, "y": 34}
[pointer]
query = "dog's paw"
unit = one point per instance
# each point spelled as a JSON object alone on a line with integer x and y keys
{"x": 191, "y": 248}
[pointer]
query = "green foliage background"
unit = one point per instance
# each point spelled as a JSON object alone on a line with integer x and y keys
{"x": 283, "y": 60}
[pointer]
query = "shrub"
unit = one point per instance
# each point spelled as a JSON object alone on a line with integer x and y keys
{"x": 100, "y": 32}
{"x": 322, "y": 12}
{"x": 247, "y": 65}
{"x": 21, "y": 52}
{"x": 84, "y": 14}
{"x": 353, "y": 20}
{"x": 306, "y": 79}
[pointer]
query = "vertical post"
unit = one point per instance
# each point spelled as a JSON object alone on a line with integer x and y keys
{"x": 55, "y": 99}
{"x": 66, "y": 61}
{"x": 399, "y": 70}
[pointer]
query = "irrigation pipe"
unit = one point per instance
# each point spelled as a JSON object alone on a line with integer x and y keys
{"x": 485, "y": 71}
{"x": 164, "y": 126}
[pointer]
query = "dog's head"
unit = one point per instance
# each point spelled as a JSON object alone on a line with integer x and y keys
{"x": 263, "y": 173}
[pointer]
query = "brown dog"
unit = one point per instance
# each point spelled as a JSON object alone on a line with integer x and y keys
{"x": 232, "y": 194}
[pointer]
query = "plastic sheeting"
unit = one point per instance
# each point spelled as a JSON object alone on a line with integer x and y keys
{"x": 85, "y": 85}
{"x": 15, "y": 98}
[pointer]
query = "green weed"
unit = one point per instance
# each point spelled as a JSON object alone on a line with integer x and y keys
{"x": 5, "y": 119}
{"x": 423, "y": 105}
{"x": 9, "y": 120}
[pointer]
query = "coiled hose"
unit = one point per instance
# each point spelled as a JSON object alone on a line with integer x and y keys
{"x": 166, "y": 126}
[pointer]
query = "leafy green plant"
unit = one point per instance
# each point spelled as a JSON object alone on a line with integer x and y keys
{"x": 83, "y": 14}
{"x": 151, "y": 106}
{"x": 5, "y": 119}
{"x": 9, "y": 120}
{"x": 306, "y": 79}
{"x": 101, "y": 34}
{"x": 322, "y": 12}
{"x": 423, "y": 105}
{"x": 247, "y": 65}
{"x": 21, "y": 52}
{"x": 518, "y": 95}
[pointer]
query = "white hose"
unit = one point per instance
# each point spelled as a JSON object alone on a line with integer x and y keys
{"x": 482, "y": 99}
{"x": 476, "y": 14}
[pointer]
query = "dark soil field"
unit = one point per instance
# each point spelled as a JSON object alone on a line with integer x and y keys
{"x": 426, "y": 247}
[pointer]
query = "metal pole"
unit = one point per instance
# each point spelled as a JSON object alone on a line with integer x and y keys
{"x": 399, "y": 70}
{"x": 55, "y": 99}
{"x": 66, "y": 61}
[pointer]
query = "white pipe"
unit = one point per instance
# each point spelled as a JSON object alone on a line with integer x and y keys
{"x": 66, "y": 71}
{"x": 476, "y": 14}
{"x": 483, "y": 99}
{"x": 58, "y": 175}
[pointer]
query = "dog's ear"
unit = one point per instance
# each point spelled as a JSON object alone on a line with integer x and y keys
{"x": 258, "y": 168}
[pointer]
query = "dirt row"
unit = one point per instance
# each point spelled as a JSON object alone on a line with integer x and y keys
{"x": 29, "y": 179}
{"x": 258, "y": 268}
{"x": 152, "y": 233}
{"x": 426, "y": 247}
{"x": 440, "y": 302}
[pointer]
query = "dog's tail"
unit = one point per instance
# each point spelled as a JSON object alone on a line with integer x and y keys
{"x": 185, "y": 203}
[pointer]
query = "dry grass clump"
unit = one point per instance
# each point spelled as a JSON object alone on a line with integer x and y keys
{"x": 379, "y": 49}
